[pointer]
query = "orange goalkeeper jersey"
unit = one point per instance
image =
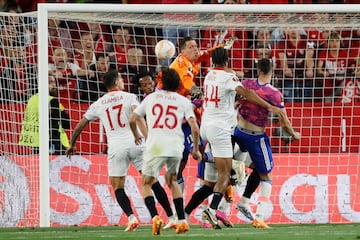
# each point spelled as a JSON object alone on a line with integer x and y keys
{"x": 187, "y": 71}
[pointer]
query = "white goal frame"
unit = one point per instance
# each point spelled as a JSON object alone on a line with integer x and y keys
{"x": 45, "y": 8}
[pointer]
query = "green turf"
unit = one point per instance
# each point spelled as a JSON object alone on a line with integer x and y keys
{"x": 241, "y": 232}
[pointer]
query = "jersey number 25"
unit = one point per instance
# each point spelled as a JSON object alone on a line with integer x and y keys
{"x": 164, "y": 117}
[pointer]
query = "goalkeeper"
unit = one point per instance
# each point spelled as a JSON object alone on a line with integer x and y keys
{"x": 187, "y": 65}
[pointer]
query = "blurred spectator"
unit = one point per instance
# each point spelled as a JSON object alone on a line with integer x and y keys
{"x": 354, "y": 53}
{"x": 92, "y": 88}
{"x": 18, "y": 36}
{"x": 13, "y": 29}
{"x": 259, "y": 52}
{"x": 100, "y": 35}
{"x": 13, "y": 65}
{"x": 66, "y": 74}
{"x": 85, "y": 56}
{"x": 263, "y": 37}
{"x": 99, "y": 32}
{"x": 332, "y": 68}
{"x": 134, "y": 65}
{"x": 214, "y": 36}
{"x": 9, "y": 6}
{"x": 152, "y": 36}
{"x": 59, "y": 35}
{"x": 172, "y": 31}
{"x": 261, "y": 48}
{"x": 337, "y": 20}
{"x": 316, "y": 35}
{"x": 296, "y": 67}
{"x": 122, "y": 41}
{"x": 17, "y": 72}
{"x": 6, "y": 95}
{"x": 279, "y": 33}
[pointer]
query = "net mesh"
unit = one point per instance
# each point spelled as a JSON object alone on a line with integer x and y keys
{"x": 322, "y": 102}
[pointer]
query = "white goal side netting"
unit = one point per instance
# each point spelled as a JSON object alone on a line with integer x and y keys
{"x": 317, "y": 68}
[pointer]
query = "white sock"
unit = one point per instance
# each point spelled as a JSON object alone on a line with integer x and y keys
{"x": 182, "y": 186}
{"x": 204, "y": 206}
{"x": 223, "y": 205}
{"x": 212, "y": 211}
{"x": 263, "y": 199}
{"x": 244, "y": 200}
{"x": 132, "y": 217}
{"x": 173, "y": 217}
{"x": 187, "y": 216}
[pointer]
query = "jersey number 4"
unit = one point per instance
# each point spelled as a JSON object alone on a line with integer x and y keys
{"x": 164, "y": 117}
{"x": 214, "y": 95}
{"x": 109, "y": 113}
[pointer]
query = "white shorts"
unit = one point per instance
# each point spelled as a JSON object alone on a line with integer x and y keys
{"x": 153, "y": 166}
{"x": 119, "y": 159}
{"x": 219, "y": 140}
{"x": 210, "y": 171}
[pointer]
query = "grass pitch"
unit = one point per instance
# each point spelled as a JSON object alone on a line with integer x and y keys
{"x": 239, "y": 232}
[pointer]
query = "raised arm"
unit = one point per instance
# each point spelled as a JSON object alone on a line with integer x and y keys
{"x": 252, "y": 97}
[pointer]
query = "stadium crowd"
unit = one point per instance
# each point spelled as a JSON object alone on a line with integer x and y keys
{"x": 31, "y": 5}
{"x": 311, "y": 64}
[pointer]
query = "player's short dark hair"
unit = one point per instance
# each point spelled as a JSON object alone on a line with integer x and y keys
{"x": 110, "y": 78}
{"x": 265, "y": 65}
{"x": 141, "y": 74}
{"x": 220, "y": 56}
{"x": 170, "y": 79}
{"x": 183, "y": 42}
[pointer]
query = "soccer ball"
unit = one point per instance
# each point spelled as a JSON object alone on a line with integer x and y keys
{"x": 165, "y": 49}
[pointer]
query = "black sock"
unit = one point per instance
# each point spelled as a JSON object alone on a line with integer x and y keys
{"x": 216, "y": 200}
{"x": 251, "y": 184}
{"x": 179, "y": 206}
{"x": 123, "y": 201}
{"x": 196, "y": 199}
{"x": 150, "y": 204}
{"x": 162, "y": 198}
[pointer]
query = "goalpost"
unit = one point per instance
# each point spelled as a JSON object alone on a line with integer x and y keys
{"x": 316, "y": 180}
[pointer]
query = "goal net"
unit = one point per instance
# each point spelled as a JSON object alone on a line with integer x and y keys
{"x": 316, "y": 66}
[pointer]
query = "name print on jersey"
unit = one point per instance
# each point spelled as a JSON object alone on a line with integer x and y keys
{"x": 113, "y": 99}
{"x": 171, "y": 98}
